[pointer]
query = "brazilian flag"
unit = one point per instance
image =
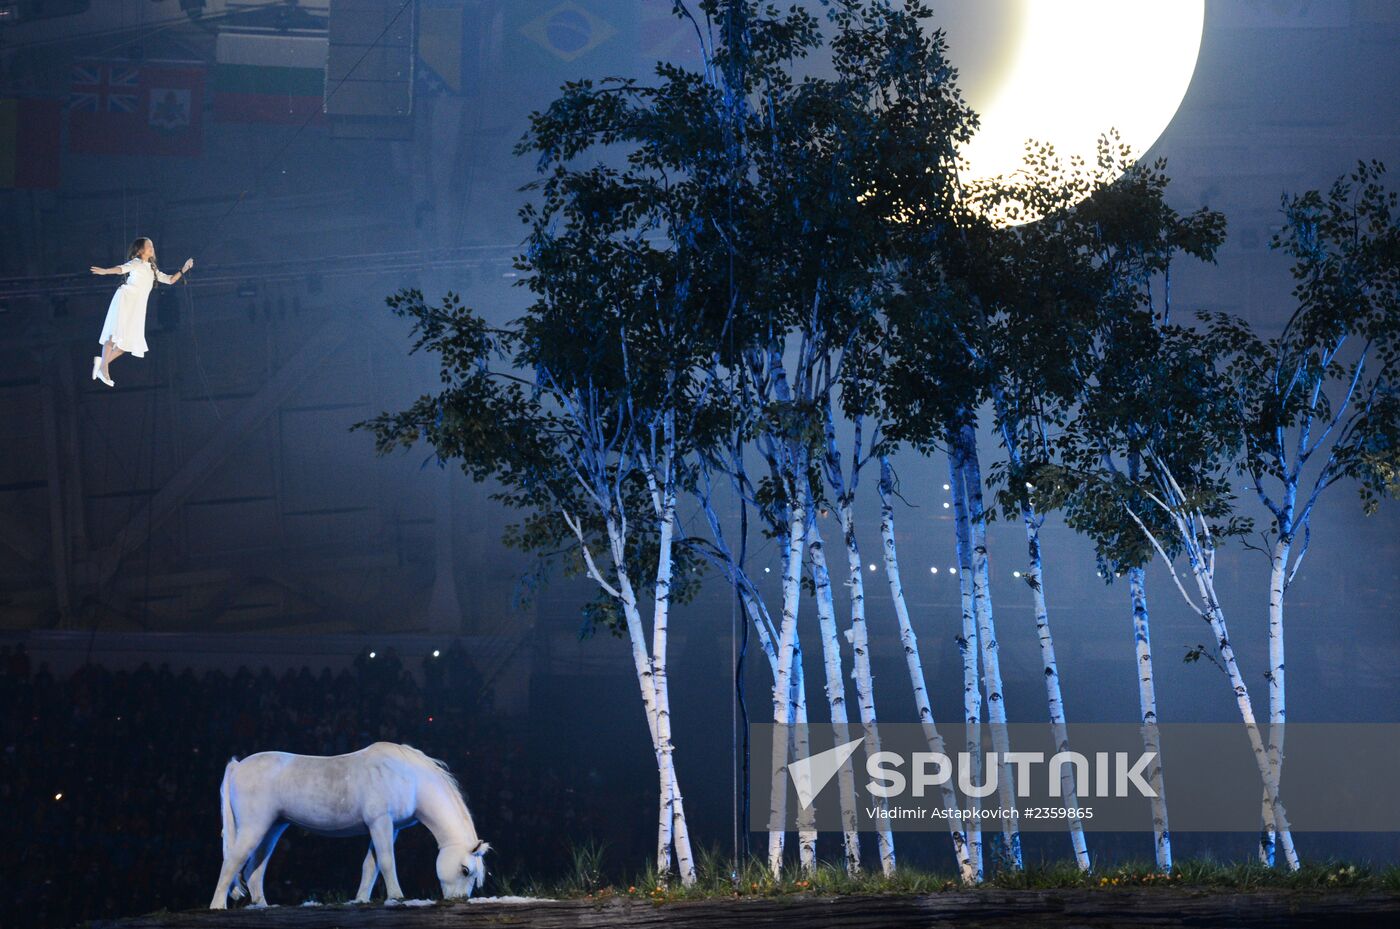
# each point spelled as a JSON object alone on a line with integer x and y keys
{"x": 547, "y": 43}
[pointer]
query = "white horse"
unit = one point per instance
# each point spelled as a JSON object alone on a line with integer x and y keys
{"x": 379, "y": 789}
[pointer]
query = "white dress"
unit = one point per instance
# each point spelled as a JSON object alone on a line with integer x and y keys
{"x": 126, "y": 315}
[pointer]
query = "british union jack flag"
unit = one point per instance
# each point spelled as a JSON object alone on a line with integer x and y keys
{"x": 105, "y": 88}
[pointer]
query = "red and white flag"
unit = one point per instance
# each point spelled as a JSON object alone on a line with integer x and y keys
{"x": 123, "y": 108}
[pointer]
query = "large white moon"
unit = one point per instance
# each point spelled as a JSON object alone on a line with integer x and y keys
{"x": 1066, "y": 71}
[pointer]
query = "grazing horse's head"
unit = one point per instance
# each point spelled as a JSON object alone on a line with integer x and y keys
{"x": 462, "y": 868}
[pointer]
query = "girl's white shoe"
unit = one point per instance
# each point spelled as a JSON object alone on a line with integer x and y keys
{"x": 97, "y": 374}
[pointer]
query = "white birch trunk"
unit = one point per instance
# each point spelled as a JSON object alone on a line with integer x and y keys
{"x": 987, "y": 640}
{"x": 835, "y": 691}
{"x": 967, "y": 648}
{"x": 858, "y": 636}
{"x": 784, "y": 712}
{"x": 909, "y": 642}
{"x": 1054, "y": 698}
{"x": 1190, "y": 527}
{"x": 1216, "y": 617}
{"x": 1147, "y": 706}
{"x": 675, "y": 823}
{"x": 754, "y": 607}
{"x": 1271, "y": 838}
{"x": 660, "y": 608}
{"x": 674, "y": 830}
{"x": 806, "y": 818}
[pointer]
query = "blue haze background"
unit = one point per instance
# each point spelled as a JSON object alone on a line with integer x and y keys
{"x": 253, "y": 527}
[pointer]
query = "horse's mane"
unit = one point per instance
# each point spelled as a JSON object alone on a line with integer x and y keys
{"x": 446, "y": 773}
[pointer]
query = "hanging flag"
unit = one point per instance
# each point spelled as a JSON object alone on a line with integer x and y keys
{"x": 29, "y": 134}
{"x": 549, "y": 42}
{"x": 568, "y": 31}
{"x": 443, "y": 67}
{"x": 269, "y": 77}
{"x": 124, "y": 108}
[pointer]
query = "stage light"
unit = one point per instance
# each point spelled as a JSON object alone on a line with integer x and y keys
{"x": 58, "y": 796}
{"x": 932, "y": 570}
{"x": 371, "y": 654}
{"x": 946, "y": 504}
{"x": 952, "y": 570}
{"x": 946, "y": 487}
{"x": 436, "y": 653}
{"x": 872, "y": 567}
{"x": 1015, "y": 573}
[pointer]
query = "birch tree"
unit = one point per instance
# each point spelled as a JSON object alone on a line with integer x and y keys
{"x": 596, "y": 475}
{"x": 1319, "y": 403}
{"x": 1160, "y": 395}
{"x": 830, "y": 176}
{"x": 589, "y": 408}
{"x": 931, "y": 390}
{"x": 1047, "y": 291}
{"x": 1140, "y": 238}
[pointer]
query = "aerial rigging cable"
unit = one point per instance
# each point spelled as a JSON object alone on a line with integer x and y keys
{"x": 148, "y": 426}
{"x": 211, "y": 239}
{"x": 147, "y": 429}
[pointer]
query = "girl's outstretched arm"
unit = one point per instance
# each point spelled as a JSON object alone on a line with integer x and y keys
{"x": 119, "y": 269}
{"x": 172, "y": 278}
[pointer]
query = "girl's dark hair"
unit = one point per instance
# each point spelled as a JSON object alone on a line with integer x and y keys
{"x": 136, "y": 245}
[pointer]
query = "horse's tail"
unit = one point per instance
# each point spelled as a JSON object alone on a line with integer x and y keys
{"x": 230, "y": 827}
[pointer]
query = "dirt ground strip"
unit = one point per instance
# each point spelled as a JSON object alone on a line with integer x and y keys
{"x": 1048, "y": 909}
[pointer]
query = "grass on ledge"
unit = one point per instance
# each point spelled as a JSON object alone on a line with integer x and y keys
{"x": 715, "y": 880}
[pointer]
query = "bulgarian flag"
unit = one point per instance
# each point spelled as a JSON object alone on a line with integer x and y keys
{"x": 269, "y": 78}
{"x": 29, "y": 134}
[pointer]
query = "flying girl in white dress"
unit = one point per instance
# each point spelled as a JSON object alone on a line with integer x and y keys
{"x": 124, "y": 331}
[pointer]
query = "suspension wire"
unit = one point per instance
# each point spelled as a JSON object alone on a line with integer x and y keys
{"x": 218, "y": 225}
{"x": 147, "y": 425}
{"x": 151, "y": 417}
{"x": 739, "y": 711}
{"x": 242, "y": 195}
